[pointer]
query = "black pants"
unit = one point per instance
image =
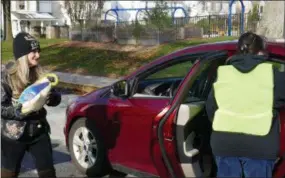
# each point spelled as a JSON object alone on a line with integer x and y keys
{"x": 12, "y": 154}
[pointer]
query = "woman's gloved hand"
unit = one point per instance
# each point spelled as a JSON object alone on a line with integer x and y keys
{"x": 51, "y": 79}
{"x": 49, "y": 98}
{"x": 12, "y": 112}
{"x": 18, "y": 110}
{"x": 53, "y": 98}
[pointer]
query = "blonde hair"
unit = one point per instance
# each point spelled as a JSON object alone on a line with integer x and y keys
{"x": 22, "y": 75}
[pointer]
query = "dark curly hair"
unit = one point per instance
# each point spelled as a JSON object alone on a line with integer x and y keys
{"x": 251, "y": 43}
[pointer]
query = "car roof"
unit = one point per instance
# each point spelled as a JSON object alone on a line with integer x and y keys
{"x": 279, "y": 47}
{"x": 275, "y": 47}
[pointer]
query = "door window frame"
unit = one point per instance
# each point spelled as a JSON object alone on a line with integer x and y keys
{"x": 177, "y": 100}
{"x": 195, "y": 57}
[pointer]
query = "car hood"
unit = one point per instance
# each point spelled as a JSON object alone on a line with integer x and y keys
{"x": 92, "y": 96}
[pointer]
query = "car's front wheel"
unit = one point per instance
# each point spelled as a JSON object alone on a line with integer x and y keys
{"x": 87, "y": 150}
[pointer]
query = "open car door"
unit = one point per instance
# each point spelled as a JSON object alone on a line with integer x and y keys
{"x": 173, "y": 148}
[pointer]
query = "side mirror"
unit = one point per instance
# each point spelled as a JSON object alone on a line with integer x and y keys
{"x": 120, "y": 89}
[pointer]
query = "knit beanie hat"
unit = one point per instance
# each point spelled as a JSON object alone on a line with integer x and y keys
{"x": 23, "y": 44}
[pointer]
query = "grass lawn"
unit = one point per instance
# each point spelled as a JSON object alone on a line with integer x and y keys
{"x": 102, "y": 62}
{"x": 7, "y": 47}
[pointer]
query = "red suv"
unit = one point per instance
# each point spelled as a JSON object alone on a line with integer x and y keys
{"x": 153, "y": 122}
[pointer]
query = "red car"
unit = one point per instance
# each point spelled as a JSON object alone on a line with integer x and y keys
{"x": 153, "y": 122}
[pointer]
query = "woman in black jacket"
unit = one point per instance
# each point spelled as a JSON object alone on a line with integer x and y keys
{"x": 19, "y": 132}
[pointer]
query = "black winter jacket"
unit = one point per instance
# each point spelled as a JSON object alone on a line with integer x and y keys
{"x": 241, "y": 145}
{"x": 17, "y": 127}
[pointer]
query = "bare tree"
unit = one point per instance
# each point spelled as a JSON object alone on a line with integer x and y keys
{"x": 81, "y": 12}
{"x": 7, "y": 19}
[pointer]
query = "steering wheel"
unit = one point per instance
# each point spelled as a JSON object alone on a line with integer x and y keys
{"x": 173, "y": 88}
{"x": 170, "y": 91}
{"x": 150, "y": 90}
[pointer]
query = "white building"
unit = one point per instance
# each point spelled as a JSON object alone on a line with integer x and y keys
{"x": 26, "y": 15}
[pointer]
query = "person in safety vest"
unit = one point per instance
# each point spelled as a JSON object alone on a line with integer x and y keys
{"x": 24, "y": 132}
{"x": 243, "y": 106}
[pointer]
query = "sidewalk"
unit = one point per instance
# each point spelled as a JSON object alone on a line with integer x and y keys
{"x": 85, "y": 80}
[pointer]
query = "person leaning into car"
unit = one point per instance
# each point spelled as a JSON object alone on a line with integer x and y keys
{"x": 243, "y": 107}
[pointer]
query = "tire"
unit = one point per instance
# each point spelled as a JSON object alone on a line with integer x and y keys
{"x": 101, "y": 165}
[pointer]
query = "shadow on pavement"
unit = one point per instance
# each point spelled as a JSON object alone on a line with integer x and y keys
{"x": 113, "y": 174}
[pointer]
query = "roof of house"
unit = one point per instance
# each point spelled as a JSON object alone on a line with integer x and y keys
{"x": 33, "y": 16}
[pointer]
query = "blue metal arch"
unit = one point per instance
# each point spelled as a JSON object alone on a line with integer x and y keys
{"x": 230, "y": 17}
{"x": 177, "y": 8}
{"x": 116, "y": 10}
{"x": 117, "y": 15}
{"x": 140, "y": 11}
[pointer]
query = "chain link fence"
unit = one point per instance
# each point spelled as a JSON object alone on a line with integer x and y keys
{"x": 144, "y": 33}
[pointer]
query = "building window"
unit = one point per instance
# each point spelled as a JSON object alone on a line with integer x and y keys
{"x": 261, "y": 9}
{"x": 15, "y": 23}
{"x": 132, "y": 5}
{"x": 209, "y": 5}
{"x": 21, "y": 5}
{"x": 38, "y": 5}
{"x": 204, "y": 6}
{"x": 219, "y": 6}
{"x": 212, "y": 7}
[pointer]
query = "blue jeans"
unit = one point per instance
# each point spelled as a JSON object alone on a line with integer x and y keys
{"x": 239, "y": 167}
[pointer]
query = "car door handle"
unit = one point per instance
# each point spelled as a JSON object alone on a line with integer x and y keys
{"x": 116, "y": 121}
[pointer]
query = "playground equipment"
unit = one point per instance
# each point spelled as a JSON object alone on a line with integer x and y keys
{"x": 230, "y": 17}
{"x": 146, "y": 9}
{"x": 116, "y": 10}
{"x": 34, "y": 97}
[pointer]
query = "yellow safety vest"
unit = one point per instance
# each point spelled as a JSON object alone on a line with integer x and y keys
{"x": 245, "y": 100}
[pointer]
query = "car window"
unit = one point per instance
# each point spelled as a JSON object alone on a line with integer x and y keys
{"x": 175, "y": 71}
{"x": 203, "y": 82}
{"x": 197, "y": 92}
{"x": 164, "y": 81}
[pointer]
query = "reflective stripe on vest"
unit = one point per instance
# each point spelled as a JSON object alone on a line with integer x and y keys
{"x": 245, "y": 100}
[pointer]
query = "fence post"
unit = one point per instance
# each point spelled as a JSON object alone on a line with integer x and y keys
{"x": 158, "y": 36}
{"x": 241, "y": 23}
{"x": 176, "y": 31}
{"x": 230, "y": 20}
{"x": 209, "y": 31}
